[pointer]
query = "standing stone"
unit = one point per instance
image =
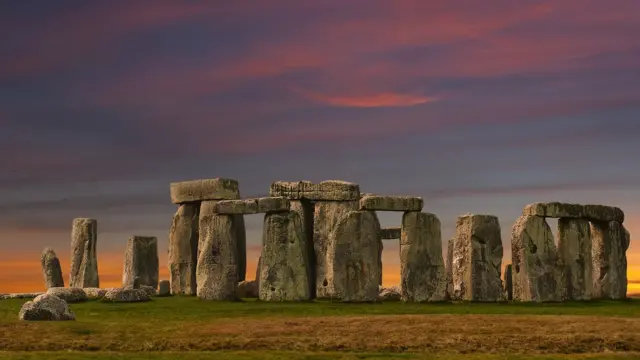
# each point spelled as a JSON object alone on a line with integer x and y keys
{"x": 508, "y": 282}
{"x": 217, "y": 267}
{"x": 241, "y": 242}
{"x": 574, "y": 253}
{"x": 305, "y": 210}
{"x": 141, "y": 261}
{"x": 537, "y": 275}
{"x": 353, "y": 257}
{"x": 609, "y": 247}
{"x": 183, "y": 250}
{"x": 51, "y": 269}
{"x": 325, "y": 218}
{"x": 422, "y": 271}
{"x": 84, "y": 262}
{"x": 164, "y": 288}
{"x": 284, "y": 274}
{"x": 477, "y": 259}
{"x": 449, "y": 265}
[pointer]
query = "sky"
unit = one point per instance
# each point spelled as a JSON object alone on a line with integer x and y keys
{"x": 478, "y": 107}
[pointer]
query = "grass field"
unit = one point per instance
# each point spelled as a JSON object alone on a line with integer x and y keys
{"x": 187, "y": 328}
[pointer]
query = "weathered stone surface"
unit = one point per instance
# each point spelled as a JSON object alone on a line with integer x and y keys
{"x": 449, "y": 266}
{"x": 325, "y": 218}
{"x": 183, "y": 250}
{"x": 609, "y": 247}
{"x": 477, "y": 259}
{"x": 422, "y": 271}
{"x": 603, "y": 213}
{"x": 84, "y": 262}
{"x": 554, "y": 210}
{"x": 273, "y": 204}
{"x": 537, "y": 274}
{"x": 46, "y": 307}
{"x": 141, "y": 260}
{"x": 209, "y": 207}
{"x": 329, "y": 190}
{"x": 205, "y": 189}
{"x": 392, "y": 233}
{"x": 306, "y": 209}
{"x": 574, "y": 256}
{"x": 164, "y": 288}
{"x": 20, "y": 296}
{"x": 353, "y": 257}
{"x": 70, "y": 295}
{"x": 217, "y": 269}
{"x": 51, "y": 269}
{"x": 248, "y": 290}
{"x": 96, "y": 293}
{"x": 126, "y": 295}
{"x": 236, "y": 207}
{"x": 284, "y": 274}
{"x": 149, "y": 290}
{"x": 391, "y": 203}
{"x": 389, "y": 294}
{"x": 508, "y": 282}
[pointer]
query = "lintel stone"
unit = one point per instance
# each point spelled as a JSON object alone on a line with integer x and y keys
{"x": 204, "y": 189}
{"x": 236, "y": 207}
{"x": 273, "y": 204}
{"x": 391, "y": 203}
{"x": 554, "y": 210}
{"x": 329, "y": 190}
{"x": 603, "y": 213}
{"x": 392, "y": 233}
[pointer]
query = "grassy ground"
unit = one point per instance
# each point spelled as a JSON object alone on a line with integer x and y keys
{"x": 166, "y": 327}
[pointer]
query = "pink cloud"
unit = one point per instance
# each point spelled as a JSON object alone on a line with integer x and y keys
{"x": 368, "y": 101}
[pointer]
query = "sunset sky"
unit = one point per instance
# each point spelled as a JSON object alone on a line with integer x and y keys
{"x": 477, "y": 106}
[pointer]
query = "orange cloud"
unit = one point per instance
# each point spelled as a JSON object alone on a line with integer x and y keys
{"x": 370, "y": 101}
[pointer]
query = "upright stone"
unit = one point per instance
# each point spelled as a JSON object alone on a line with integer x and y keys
{"x": 537, "y": 274}
{"x": 574, "y": 253}
{"x": 353, "y": 257}
{"x": 305, "y": 210}
{"x": 325, "y": 218}
{"x": 284, "y": 274}
{"x": 422, "y": 271}
{"x": 508, "y": 282}
{"x": 183, "y": 250}
{"x": 241, "y": 243}
{"x": 217, "y": 267}
{"x": 477, "y": 259}
{"x": 51, "y": 269}
{"x": 449, "y": 265}
{"x": 609, "y": 247}
{"x": 84, "y": 262}
{"x": 141, "y": 261}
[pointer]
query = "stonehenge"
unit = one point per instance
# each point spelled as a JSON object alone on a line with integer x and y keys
{"x": 51, "y": 269}
{"x": 141, "y": 261}
{"x": 84, "y": 262}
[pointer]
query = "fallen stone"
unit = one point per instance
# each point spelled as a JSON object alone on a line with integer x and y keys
{"x": 149, "y": 290}
{"x": 51, "y": 269}
{"x": 183, "y": 250}
{"x": 329, "y": 190}
{"x": 236, "y": 207}
{"x": 126, "y": 295}
{"x": 609, "y": 248}
{"x": 393, "y": 233}
{"x": 206, "y": 189}
{"x": 164, "y": 288}
{"x": 248, "y": 290}
{"x": 389, "y": 293}
{"x": 353, "y": 257}
{"x": 422, "y": 271}
{"x": 477, "y": 259}
{"x": 325, "y": 218}
{"x": 391, "y": 203}
{"x": 508, "y": 282}
{"x": 449, "y": 266}
{"x": 70, "y": 295}
{"x": 574, "y": 256}
{"x": 84, "y": 263}
{"x": 537, "y": 273}
{"x": 20, "y": 296}
{"x": 554, "y": 210}
{"x": 46, "y": 307}
{"x": 217, "y": 267}
{"x": 96, "y": 293}
{"x": 141, "y": 260}
{"x": 603, "y": 213}
{"x": 273, "y": 204}
{"x": 284, "y": 274}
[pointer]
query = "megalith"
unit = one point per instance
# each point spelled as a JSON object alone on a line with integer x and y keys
{"x": 477, "y": 259}
{"x": 537, "y": 275}
{"x": 141, "y": 261}
{"x": 217, "y": 267}
{"x": 84, "y": 262}
{"x": 508, "y": 282}
{"x": 449, "y": 266}
{"x": 183, "y": 249}
{"x": 284, "y": 274}
{"x": 574, "y": 256}
{"x": 353, "y": 257}
{"x": 422, "y": 270}
{"x": 51, "y": 269}
{"x": 609, "y": 246}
